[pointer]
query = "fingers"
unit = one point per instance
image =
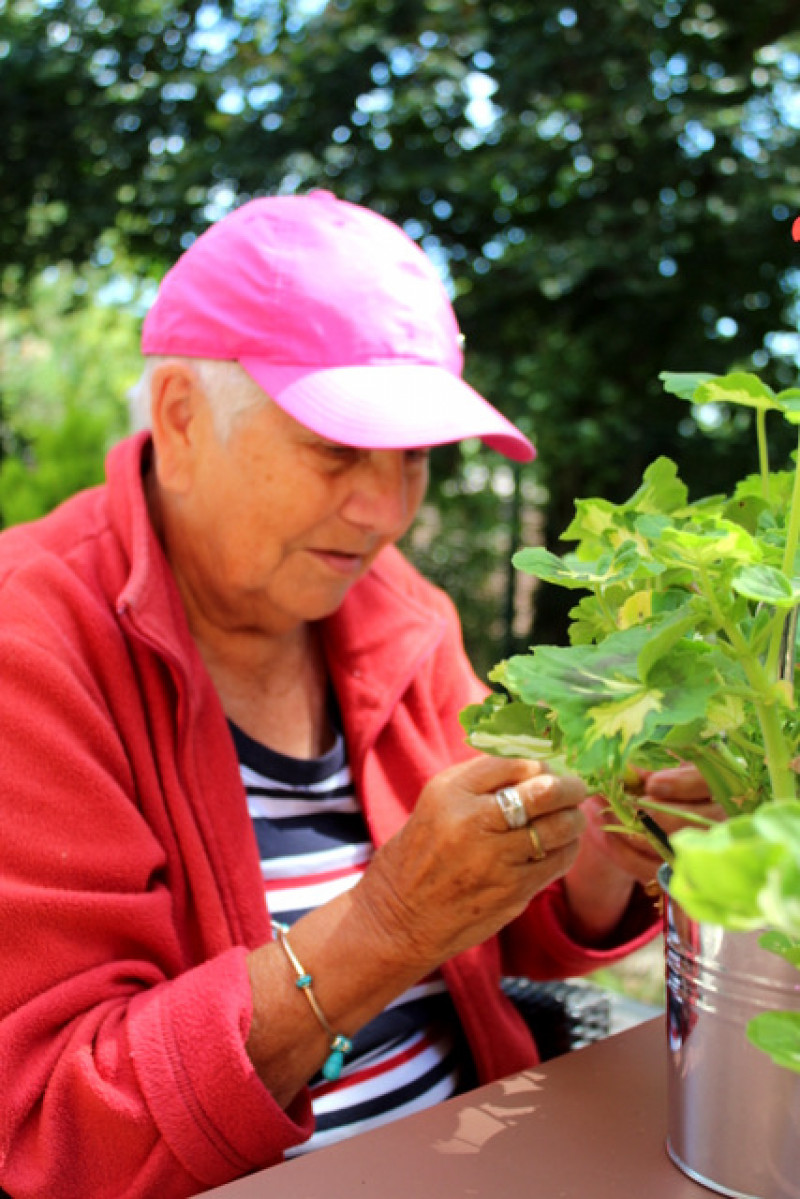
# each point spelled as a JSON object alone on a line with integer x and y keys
{"x": 552, "y": 834}
{"x": 551, "y": 793}
{"x": 542, "y": 814}
{"x": 487, "y": 774}
{"x": 471, "y": 788}
{"x": 540, "y": 791}
{"x": 686, "y": 792}
{"x": 678, "y": 783}
{"x": 550, "y": 830}
{"x": 632, "y": 854}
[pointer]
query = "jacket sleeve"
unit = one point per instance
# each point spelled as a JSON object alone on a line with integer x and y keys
{"x": 122, "y": 1063}
{"x": 539, "y": 944}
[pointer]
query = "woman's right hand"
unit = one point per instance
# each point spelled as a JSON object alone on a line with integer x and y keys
{"x": 456, "y": 873}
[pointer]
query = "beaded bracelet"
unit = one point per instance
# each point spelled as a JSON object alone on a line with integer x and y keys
{"x": 339, "y": 1043}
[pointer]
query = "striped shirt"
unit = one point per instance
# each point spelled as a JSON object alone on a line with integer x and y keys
{"x": 314, "y": 844}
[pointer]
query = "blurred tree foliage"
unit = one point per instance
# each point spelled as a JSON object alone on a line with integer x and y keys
{"x": 608, "y": 184}
{"x": 66, "y": 363}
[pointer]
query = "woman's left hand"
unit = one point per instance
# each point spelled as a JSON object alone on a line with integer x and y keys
{"x": 683, "y": 788}
{"x": 600, "y": 884}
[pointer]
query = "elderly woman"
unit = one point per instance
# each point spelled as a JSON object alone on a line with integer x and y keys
{"x": 253, "y": 884}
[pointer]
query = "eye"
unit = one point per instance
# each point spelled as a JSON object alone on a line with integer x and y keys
{"x": 342, "y": 453}
{"x": 417, "y": 457}
{"x": 338, "y": 457}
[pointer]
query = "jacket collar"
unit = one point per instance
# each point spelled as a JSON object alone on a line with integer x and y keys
{"x": 149, "y": 595}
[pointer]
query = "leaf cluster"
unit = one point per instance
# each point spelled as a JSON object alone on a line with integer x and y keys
{"x": 682, "y": 644}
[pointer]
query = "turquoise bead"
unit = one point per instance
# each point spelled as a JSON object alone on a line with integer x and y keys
{"x": 335, "y": 1059}
{"x": 333, "y": 1065}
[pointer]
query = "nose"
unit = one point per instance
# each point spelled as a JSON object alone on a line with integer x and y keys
{"x": 383, "y": 496}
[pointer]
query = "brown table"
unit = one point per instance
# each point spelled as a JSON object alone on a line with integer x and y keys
{"x": 591, "y": 1123}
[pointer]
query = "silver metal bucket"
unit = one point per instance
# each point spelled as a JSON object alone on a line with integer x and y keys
{"x": 734, "y": 1116}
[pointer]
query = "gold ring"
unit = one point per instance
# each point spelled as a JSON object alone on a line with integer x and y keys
{"x": 539, "y": 852}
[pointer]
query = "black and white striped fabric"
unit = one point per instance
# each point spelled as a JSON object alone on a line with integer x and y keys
{"x": 314, "y": 844}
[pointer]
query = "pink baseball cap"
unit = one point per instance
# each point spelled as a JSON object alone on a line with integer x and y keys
{"x": 339, "y": 317}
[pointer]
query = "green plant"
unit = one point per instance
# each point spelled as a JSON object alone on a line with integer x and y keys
{"x": 682, "y": 649}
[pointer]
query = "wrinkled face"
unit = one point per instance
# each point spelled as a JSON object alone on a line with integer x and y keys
{"x": 271, "y": 529}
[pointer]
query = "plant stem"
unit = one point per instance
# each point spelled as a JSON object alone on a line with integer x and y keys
{"x": 626, "y": 808}
{"x": 763, "y": 450}
{"x": 781, "y": 618}
{"x": 782, "y": 777}
{"x": 793, "y": 525}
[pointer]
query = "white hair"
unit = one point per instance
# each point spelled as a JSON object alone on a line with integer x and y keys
{"x": 230, "y": 392}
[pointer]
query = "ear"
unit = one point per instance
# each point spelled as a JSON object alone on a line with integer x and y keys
{"x": 179, "y": 411}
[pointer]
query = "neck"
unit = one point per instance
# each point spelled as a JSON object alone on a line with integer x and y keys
{"x": 275, "y": 690}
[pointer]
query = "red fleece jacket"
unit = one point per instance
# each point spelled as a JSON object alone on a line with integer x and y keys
{"x": 130, "y": 888}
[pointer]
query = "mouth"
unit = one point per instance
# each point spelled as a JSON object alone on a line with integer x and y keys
{"x": 340, "y": 562}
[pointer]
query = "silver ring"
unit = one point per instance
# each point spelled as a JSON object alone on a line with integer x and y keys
{"x": 510, "y": 803}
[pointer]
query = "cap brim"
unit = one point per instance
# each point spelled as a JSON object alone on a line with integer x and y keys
{"x": 392, "y": 406}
